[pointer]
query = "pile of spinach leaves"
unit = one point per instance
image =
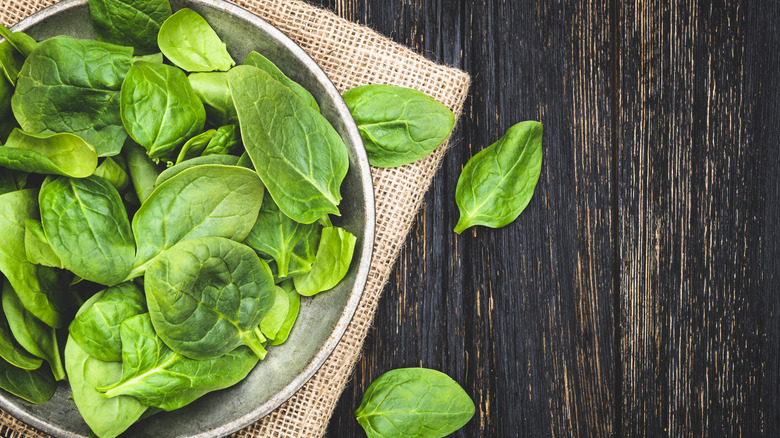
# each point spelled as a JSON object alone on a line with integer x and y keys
{"x": 163, "y": 211}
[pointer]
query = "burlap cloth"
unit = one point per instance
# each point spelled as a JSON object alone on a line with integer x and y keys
{"x": 351, "y": 55}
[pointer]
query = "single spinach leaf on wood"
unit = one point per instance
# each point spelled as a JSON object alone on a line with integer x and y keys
{"x": 49, "y": 154}
{"x": 96, "y": 329}
{"x": 275, "y": 235}
{"x": 157, "y": 376}
{"x": 257, "y": 60}
{"x": 191, "y": 44}
{"x": 130, "y": 22}
{"x": 334, "y": 256}
{"x": 414, "y": 403}
{"x": 294, "y": 305}
{"x": 398, "y": 125}
{"x": 213, "y": 91}
{"x": 202, "y": 201}
{"x": 31, "y": 333}
{"x": 195, "y": 146}
{"x": 35, "y": 386}
{"x": 88, "y": 228}
{"x": 107, "y": 417}
{"x": 207, "y": 296}
{"x": 37, "y": 286}
{"x": 297, "y": 153}
{"x": 497, "y": 184}
{"x": 225, "y": 160}
{"x": 72, "y": 86}
{"x": 159, "y": 108}
{"x": 37, "y": 247}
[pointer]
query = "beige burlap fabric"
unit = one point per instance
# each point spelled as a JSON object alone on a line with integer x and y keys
{"x": 351, "y": 55}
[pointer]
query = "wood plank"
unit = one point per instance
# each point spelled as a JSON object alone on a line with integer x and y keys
{"x": 522, "y": 316}
{"x": 690, "y": 230}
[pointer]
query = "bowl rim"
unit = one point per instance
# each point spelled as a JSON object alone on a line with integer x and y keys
{"x": 369, "y": 225}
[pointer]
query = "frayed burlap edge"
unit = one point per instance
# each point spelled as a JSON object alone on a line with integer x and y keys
{"x": 351, "y": 55}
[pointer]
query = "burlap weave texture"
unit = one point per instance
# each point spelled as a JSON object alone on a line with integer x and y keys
{"x": 351, "y": 55}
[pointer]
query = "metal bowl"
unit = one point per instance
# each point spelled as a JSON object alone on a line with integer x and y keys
{"x": 322, "y": 319}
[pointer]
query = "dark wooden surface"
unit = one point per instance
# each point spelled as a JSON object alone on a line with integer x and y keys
{"x": 639, "y": 293}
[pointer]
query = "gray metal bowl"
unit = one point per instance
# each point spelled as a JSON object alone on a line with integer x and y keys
{"x": 322, "y": 320}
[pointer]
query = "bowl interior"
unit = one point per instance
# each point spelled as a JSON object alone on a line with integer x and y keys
{"x": 322, "y": 319}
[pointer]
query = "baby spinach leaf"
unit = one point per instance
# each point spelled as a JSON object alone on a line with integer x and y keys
{"x": 11, "y": 181}
{"x": 130, "y": 22}
{"x": 154, "y": 58}
{"x": 294, "y": 305}
{"x": 37, "y": 286}
{"x": 195, "y": 146}
{"x": 297, "y": 153}
{"x": 96, "y": 329}
{"x": 277, "y": 314}
{"x": 143, "y": 171}
{"x": 207, "y": 296}
{"x": 398, "y": 125}
{"x": 224, "y": 141}
{"x": 334, "y": 256}
{"x": 31, "y": 333}
{"x": 275, "y": 235}
{"x": 113, "y": 170}
{"x": 225, "y": 160}
{"x": 414, "y": 403}
{"x": 107, "y": 417}
{"x": 49, "y": 154}
{"x": 37, "y": 247}
{"x": 10, "y": 350}
{"x": 88, "y": 228}
{"x": 159, "y": 108}
{"x": 157, "y": 376}
{"x": 11, "y": 62}
{"x": 191, "y": 44}
{"x": 497, "y": 184}
{"x": 35, "y": 386}
{"x": 257, "y": 60}
{"x": 305, "y": 252}
{"x": 72, "y": 86}
{"x": 213, "y": 91}
{"x": 22, "y": 42}
{"x": 208, "y": 200}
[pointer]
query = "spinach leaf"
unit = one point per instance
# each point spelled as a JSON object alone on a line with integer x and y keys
{"x": 305, "y": 252}
{"x": 213, "y": 91}
{"x": 11, "y": 62}
{"x": 31, "y": 333}
{"x": 10, "y": 350}
{"x": 157, "y": 376}
{"x": 195, "y": 146}
{"x": 191, "y": 44}
{"x": 52, "y": 154}
{"x": 224, "y": 141}
{"x": 35, "y": 386}
{"x": 107, "y": 417}
{"x": 208, "y": 200}
{"x": 96, "y": 329}
{"x": 130, "y": 22}
{"x": 113, "y": 170}
{"x": 11, "y": 181}
{"x": 72, "y": 86}
{"x": 398, "y": 125}
{"x": 143, "y": 171}
{"x": 414, "y": 403}
{"x": 207, "y": 296}
{"x": 159, "y": 108}
{"x": 88, "y": 228}
{"x": 225, "y": 160}
{"x": 297, "y": 153}
{"x": 273, "y": 320}
{"x": 154, "y": 58}
{"x": 22, "y": 42}
{"x": 334, "y": 256}
{"x": 257, "y": 60}
{"x": 497, "y": 184}
{"x": 37, "y": 286}
{"x": 37, "y": 247}
{"x": 275, "y": 235}
{"x": 294, "y": 305}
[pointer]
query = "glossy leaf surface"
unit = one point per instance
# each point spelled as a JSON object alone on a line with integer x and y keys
{"x": 130, "y": 22}
{"x": 334, "y": 255}
{"x": 191, "y": 44}
{"x": 49, "y": 154}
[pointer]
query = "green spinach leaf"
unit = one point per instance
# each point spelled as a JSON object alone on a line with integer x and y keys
{"x": 225, "y": 160}
{"x": 195, "y": 146}
{"x": 88, "y": 228}
{"x": 191, "y": 44}
{"x": 130, "y": 22}
{"x": 37, "y": 247}
{"x": 398, "y": 125}
{"x": 11, "y": 62}
{"x": 334, "y": 256}
{"x": 297, "y": 153}
{"x": 257, "y": 60}
{"x": 414, "y": 403}
{"x": 159, "y": 108}
{"x": 224, "y": 141}
{"x": 10, "y": 350}
{"x": 114, "y": 171}
{"x": 207, "y": 296}
{"x": 157, "y": 376}
{"x": 49, "y": 154}
{"x": 273, "y": 320}
{"x": 22, "y": 42}
{"x": 143, "y": 171}
{"x": 497, "y": 184}
{"x": 96, "y": 329}
{"x": 11, "y": 181}
{"x": 294, "y": 305}
{"x": 72, "y": 86}
{"x": 35, "y": 386}
{"x": 213, "y": 91}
